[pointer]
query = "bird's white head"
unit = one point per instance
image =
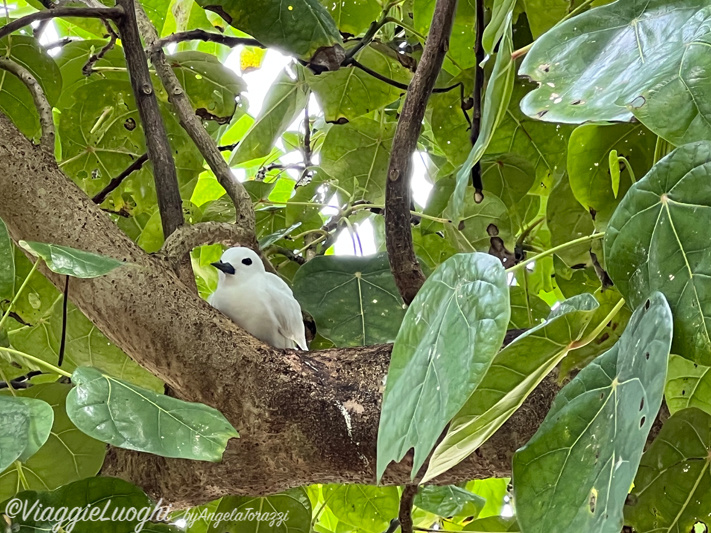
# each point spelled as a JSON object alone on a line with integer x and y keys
{"x": 239, "y": 262}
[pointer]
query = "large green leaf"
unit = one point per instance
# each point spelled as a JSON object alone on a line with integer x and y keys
{"x": 15, "y": 419}
{"x": 496, "y": 27}
{"x": 542, "y": 15}
{"x": 472, "y": 231}
{"x": 658, "y": 70}
{"x": 7, "y": 264}
{"x": 494, "y": 491}
{"x": 288, "y": 511}
{"x": 510, "y": 177}
{"x": 450, "y": 126}
{"x": 527, "y": 310}
{"x": 515, "y": 372}
{"x": 567, "y": 220}
{"x": 575, "y": 472}
{"x": 300, "y": 27}
{"x": 449, "y": 501}
{"x": 15, "y": 99}
{"x": 70, "y": 261}
{"x": 653, "y": 243}
{"x": 283, "y": 103}
{"x": 68, "y": 455}
{"x": 363, "y": 506}
{"x": 588, "y": 167}
{"x": 688, "y": 385}
{"x": 350, "y": 92}
{"x": 461, "y": 42}
{"x": 41, "y": 420}
{"x": 672, "y": 489}
{"x": 127, "y": 416}
{"x": 496, "y": 102}
{"x": 449, "y": 337}
{"x": 354, "y": 300}
{"x": 357, "y": 154}
{"x": 353, "y": 17}
{"x": 493, "y": 524}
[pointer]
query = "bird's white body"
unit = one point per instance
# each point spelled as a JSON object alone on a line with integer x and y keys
{"x": 258, "y": 301}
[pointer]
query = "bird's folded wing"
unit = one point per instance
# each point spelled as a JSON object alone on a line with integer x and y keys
{"x": 291, "y": 322}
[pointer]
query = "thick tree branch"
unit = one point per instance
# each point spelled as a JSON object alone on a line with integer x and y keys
{"x": 287, "y": 406}
{"x": 160, "y": 153}
{"x": 194, "y": 128}
{"x": 476, "y": 96}
{"x": 110, "y": 13}
{"x": 202, "y": 35}
{"x": 43, "y": 108}
{"x": 182, "y": 242}
{"x": 403, "y": 262}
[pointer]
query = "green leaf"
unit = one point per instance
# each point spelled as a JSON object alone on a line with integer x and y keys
{"x": 354, "y": 300}
{"x": 41, "y": 420}
{"x": 353, "y": 17}
{"x": 653, "y": 243}
{"x": 70, "y": 261}
{"x": 567, "y": 220}
{"x": 450, "y": 127}
{"x": 289, "y": 511}
{"x": 67, "y": 456}
{"x": 7, "y": 264}
{"x": 460, "y": 312}
{"x": 493, "y": 524}
{"x": 300, "y": 27}
{"x": 493, "y": 490}
{"x": 475, "y": 219}
{"x": 15, "y": 99}
{"x": 542, "y": 15}
{"x": 15, "y": 419}
{"x": 350, "y": 92}
{"x": 652, "y": 78}
{"x": 510, "y": 177}
{"x": 448, "y": 501}
{"x": 527, "y": 310}
{"x": 213, "y": 89}
{"x": 589, "y": 164}
{"x": 688, "y": 385}
{"x": 614, "y": 163}
{"x": 357, "y": 154}
{"x": 515, "y": 372}
{"x": 363, "y": 506}
{"x": 283, "y": 103}
{"x": 461, "y": 42}
{"x": 130, "y": 417}
{"x": 672, "y": 489}
{"x": 575, "y": 472}
{"x": 496, "y": 27}
{"x": 496, "y": 102}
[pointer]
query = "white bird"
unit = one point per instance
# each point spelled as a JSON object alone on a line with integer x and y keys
{"x": 258, "y": 301}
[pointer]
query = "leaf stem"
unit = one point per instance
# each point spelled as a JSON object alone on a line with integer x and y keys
{"x": 37, "y": 361}
{"x": 556, "y": 249}
{"x": 19, "y": 292}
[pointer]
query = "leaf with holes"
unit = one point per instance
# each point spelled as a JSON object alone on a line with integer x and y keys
{"x": 68, "y": 455}
{"x": 357, "y": 154}
{"x": 15, "y": 99}
{"x": 575, "y": 472}
{"x": 293, "y": 505}
{"x": 672, "y": 489}
{"x": 351, "y": 92}
{"x": 654, "y": 243}
{"x": 477, "y": 222}
{"x": 354, "y": 300}
{"x": 283, "y": 103}
{"x": 70, "y": 261}
{"x": 688, "y": 385}
{"x": 451, "y": 332}
{"x": 496, "y": 102}
{"x": 365, "y": 507}
{"x": 127, "y": 416}
{"x": 659, "y": 68}
{"x": 588, "y": 164}
{"x": 515, "y": 372}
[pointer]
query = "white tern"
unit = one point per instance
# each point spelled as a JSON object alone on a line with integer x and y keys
{"x": 258, "y": 301}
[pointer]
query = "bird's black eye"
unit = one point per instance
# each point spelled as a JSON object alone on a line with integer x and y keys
{"x": 247, "y": 261}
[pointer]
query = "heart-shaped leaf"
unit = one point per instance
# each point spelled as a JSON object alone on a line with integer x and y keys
{"x": 449, "y": 501}
{"x": 653, "y": 243}
{"x": 672, "y": 489}
{"x": 515, "y": 372}
{"x": 575, "y": 472}
{"x": 354, "y": 300}
{"x": 70, "y": 261}
{"x": 127, "y": 416}
{"x": 688, "y": 385}
{"x": 449, "y": 337}
{"x": 363, "y": 506}
{"x": 659, "y": 68}
{"x": 288, "y": 511}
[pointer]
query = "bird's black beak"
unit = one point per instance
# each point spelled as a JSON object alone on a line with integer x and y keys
{"x": 224, "y": 267}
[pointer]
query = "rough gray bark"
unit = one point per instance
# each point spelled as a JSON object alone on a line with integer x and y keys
{"x": 290, "y": 416}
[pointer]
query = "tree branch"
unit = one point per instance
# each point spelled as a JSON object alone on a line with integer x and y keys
{"x": 403, "y": 262}
{"x": 43, "y": 108}
{"x": 405, "y": 513}
{"x": 87, "y": 68}
{"x": 202, "y": 35}
{"x": 185, "y": 238}
{"x": 478, "y": 85}
{"x": 193, "y": 126}
{"x": 110, "y": 13}
{"x": 160, "y": 153}
{"x": 118, "y": 180}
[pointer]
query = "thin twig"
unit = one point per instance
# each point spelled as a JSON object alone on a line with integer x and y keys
{"x": 65, "y": 304}
{"x": 157, "y": 144}
{"x": 202, "y": 35}
{"x": 43, "y": 108}
{"x": 398, "y": 235}
{"x": 307, "y": 151}
{"x": 116, "y": 182}
{"x": 58, "y": 44}
{"x": 476, "y": 96}
{"x": 111, "y": 13}
{"x": 392, "y": 82}
{"x": 88, "y": 67}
